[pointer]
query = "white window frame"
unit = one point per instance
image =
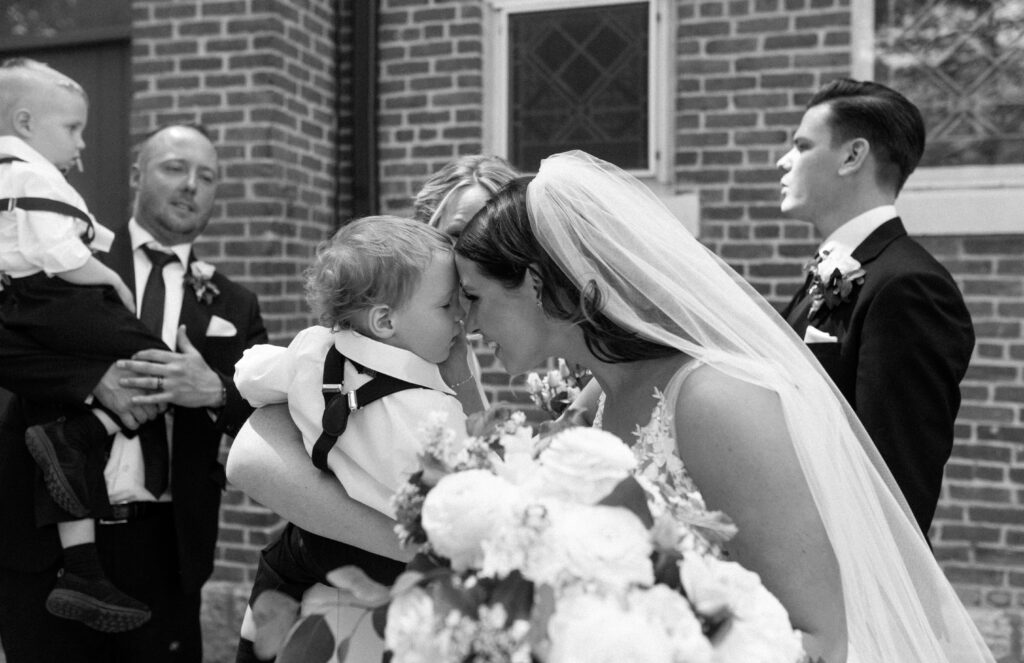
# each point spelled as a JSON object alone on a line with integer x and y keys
{"x": 952, "y": 200}
{"x": 661, "y": 73}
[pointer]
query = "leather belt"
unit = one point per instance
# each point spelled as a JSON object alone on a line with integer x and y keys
{"x": 128, "y": 511}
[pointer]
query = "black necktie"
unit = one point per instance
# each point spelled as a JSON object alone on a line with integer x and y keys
{"x": 153, "y": 434}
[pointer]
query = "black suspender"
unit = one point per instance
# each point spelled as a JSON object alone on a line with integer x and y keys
{"x": 47, "y": 205}
{"x": 338, "y": 406}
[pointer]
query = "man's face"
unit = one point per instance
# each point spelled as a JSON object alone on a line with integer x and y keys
{"x": 810, "y": 169}
{"x": 175, "y": 179}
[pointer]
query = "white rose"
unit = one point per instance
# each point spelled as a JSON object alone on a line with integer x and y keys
{"x": 202, "y": 270}
{"x": 759, "y": 631}
{"x": 834, "y": 260}
{"x": 663, "y": 606}
{"x": 592, "y": 629}
{"x": 462, "y": 510}
{"x": 410, "y": 630}
{"x": 593, "y": 543}
{"x": 582, "y": 465}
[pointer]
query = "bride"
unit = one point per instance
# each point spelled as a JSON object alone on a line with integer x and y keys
{"x": 583, "y": 262}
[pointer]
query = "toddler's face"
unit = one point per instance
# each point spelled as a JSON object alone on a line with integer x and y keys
{"x": 428, "y": 323}
{"x": 57, "y": 128}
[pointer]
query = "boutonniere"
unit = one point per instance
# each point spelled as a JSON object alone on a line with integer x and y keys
{"x": 834, "y": 277}
{"x": 199, "y": 275}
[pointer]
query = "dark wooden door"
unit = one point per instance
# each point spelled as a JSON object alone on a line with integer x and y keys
{"x": 104, "y": 70}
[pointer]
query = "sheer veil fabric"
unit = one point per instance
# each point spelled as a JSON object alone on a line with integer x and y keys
{"x": 604, "y": 226}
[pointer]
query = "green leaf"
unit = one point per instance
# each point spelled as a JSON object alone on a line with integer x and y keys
{"x": 343, "y": 649}
{"x": 629, "y": 494}
{"x": 311, "y": 642}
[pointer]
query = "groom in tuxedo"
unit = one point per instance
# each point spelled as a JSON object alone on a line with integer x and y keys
{"x": 158, "y": 551}
{"x": 883, "y": 317}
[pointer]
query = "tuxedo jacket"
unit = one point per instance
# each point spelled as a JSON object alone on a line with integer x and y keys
{"x": 197, "y": 477}
{"x": 903, "y": 341}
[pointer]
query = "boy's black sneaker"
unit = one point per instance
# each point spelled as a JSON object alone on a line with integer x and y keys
{"x": 96, "y": 603}
{"x": 59, "y": 448}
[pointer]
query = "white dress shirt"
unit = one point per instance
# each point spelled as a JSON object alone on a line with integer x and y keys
{"x": 124, "y": 472}
{"x": 33, "y": 241}
{"x": 378, "y": 450}
{"x": 847, "y": 237}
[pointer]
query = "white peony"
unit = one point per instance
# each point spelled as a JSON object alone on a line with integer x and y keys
{"x": 663, "y": 606}
{"x": 594, "y": 629}
{"x": 759, "y": 630}
{"x": 604, "y": 544}
{"x": 581, "y": 465}
{"x": 463, "y": 510}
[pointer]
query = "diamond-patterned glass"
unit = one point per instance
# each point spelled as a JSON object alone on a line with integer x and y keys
{"x": 578, "y": 80}
{"x": 962, "y": 63}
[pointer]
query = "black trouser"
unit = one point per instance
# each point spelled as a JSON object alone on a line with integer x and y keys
{"x": 141, "y": 559}
{"x": 299, "y": 559}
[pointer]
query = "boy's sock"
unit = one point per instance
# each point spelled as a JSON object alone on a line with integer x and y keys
{"x": 60, "y": 448}
{"x": 83, "y": 560}
{"x": 83, "y": 593}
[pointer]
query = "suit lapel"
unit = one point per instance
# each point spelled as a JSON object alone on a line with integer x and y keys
{"x": 120, "y": 258}
{"x": 194, "y": 315}
{"x": 875, "y": 243}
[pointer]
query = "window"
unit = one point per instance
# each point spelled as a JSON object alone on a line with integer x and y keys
{"x": 962, "y": 63}
{"x": 575, "y": 74}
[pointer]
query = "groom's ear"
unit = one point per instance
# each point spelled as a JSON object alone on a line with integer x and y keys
{"x": 855, "y": 155}
{"x": 380, "y": 321}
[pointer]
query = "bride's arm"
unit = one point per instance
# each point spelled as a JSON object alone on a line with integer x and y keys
{"x": 733, "y": 440}
{"x": 268, "y": 462}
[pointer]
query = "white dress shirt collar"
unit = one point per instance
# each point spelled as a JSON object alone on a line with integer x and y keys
{"x": 140, "y": 237}
{"x": 847, "y": 237}
{"x": 387, "y": 359}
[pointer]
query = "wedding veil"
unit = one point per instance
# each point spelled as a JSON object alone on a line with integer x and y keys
{"x": 601, "y": 224}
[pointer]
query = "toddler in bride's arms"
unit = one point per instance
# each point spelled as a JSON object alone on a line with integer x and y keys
{"x": 358, "y": 385}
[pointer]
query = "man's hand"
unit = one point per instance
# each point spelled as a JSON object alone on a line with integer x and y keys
{"x": 118, "y": 397}
{"x": 180, "y": 378}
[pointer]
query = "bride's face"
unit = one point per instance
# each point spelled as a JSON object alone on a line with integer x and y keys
{"x": 510, "y": 319}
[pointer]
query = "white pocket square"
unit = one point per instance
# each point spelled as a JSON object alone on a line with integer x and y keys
{"x": 815, "y": 335}
{"x": 220, "y": 327}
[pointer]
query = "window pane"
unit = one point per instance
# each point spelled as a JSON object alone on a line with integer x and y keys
{"x": 578, "y": 80}
{"x": 962, "y": 63}
{"x": 48, "y": 18}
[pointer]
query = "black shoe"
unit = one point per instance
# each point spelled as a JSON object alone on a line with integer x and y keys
{"x": 96, "y": 603}
{"x": 59, "y": 448}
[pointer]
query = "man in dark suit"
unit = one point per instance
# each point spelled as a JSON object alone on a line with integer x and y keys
{"x": 160, "y": 552}
{"x": 883, "y": 317}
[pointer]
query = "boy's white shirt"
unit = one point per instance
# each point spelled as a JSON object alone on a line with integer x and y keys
{"x": 379, "y": 448}
{"x": 32, "y": 242}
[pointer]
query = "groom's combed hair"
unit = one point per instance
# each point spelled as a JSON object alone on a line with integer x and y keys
{"x": 370, "y": 261}
{"x": 890, "y": 122}
{"x": 500, "y": 241}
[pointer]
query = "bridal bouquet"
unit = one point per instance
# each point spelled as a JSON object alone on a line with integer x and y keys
{"x": 546, "y": 551}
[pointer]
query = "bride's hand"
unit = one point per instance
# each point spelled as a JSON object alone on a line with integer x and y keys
{"x": 455, "y": 369}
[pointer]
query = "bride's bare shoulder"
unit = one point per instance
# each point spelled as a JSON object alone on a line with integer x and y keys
{"x": 708, "y": 387}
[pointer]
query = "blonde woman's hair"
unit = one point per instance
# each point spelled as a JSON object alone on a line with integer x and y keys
{"x": 490, "y": 172}
{"x": 370, "y": 261}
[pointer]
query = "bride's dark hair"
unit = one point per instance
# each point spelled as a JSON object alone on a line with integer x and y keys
{"x": 500, "y": 241}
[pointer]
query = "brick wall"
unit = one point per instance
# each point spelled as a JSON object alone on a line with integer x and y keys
{"x": 260, "y": 73}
